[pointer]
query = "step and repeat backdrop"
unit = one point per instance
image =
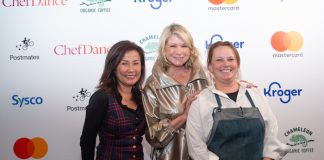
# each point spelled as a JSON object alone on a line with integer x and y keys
{"x": 52, "y": 54}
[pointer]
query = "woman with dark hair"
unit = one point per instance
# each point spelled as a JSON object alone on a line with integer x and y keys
{"x": 115, "y": 111}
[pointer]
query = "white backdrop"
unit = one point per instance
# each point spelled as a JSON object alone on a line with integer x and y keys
{"x": 53, "y": 52}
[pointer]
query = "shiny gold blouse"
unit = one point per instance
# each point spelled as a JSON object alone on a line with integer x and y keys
{"x": 164, "y": 99}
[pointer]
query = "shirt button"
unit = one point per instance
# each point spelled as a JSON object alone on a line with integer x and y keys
{"x": 134, "y": 137}
{"x": 134, "y": 146}
{"x": 134, "y": 156}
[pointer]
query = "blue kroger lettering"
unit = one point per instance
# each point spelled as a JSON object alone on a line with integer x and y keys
{"x": 26, "y": 100}
{"x": 287, "y": 92}
{"x": 236, "y": 44}
{"x": 212, "y": 40}
{"x": 151, "y": 1}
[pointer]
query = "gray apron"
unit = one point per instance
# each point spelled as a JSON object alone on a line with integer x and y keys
{"x": 237, "y": 133}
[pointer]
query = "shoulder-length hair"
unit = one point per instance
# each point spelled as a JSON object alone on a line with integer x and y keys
{"x": 108, "y": 80}
{"x": 222, "y": 43}
{"x": 182, "y": 33}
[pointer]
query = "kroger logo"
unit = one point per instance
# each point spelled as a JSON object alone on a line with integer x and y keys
{"x": 285, "y": 95}
{"x": 218, "y": 37}
{"x": 155, "y": 4}
{"x": 26, "y": 100}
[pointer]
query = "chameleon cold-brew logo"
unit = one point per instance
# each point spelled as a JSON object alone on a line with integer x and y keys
{"x": 150, "y": 45}
{"x": 81, "y": 99}
{"x": 299, "y": 139}
{"x": 23, "y": 48}
{"x": 94, "y": 6}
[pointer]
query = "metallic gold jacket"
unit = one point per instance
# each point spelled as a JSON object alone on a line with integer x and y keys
{"x": 164, "y": 99}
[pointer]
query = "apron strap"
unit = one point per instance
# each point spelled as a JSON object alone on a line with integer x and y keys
{"x": 219, "y": 103}
{"x": 249, "y": 98}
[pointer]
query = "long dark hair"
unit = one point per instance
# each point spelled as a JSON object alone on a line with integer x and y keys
{"x": 108, "y": 80}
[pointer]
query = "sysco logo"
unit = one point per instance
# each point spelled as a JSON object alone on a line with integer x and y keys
{"x": 26, "y": 100}
{"x": 217, "y": 37}
{"x": 285, "y": 95}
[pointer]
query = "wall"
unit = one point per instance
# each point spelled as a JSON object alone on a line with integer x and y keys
{"x": 53, "y": 49}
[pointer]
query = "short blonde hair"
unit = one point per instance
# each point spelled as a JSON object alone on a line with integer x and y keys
{"x": 182, "y": 33}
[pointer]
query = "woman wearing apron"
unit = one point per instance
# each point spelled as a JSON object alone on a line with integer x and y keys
{"x": 229, "y": 121}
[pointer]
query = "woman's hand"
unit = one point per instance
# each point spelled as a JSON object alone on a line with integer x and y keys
{"x": 249, "y": 84}
{"x": 190, "y": 99}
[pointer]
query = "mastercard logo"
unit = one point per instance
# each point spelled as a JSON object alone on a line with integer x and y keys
{"x": 25, "y": 148}
{"x": 282, "y": 41}
{"x": 222, "y": 1}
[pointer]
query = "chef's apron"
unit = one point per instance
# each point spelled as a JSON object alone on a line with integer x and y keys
{"x": 237, "y": 133}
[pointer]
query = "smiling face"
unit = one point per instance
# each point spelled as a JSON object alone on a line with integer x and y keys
{"x": 128, "y": 71}
{"x": 224, "y": 64}
{"x": 176, "y": 51}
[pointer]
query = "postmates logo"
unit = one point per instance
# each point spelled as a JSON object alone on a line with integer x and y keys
{"x": 282, "y": 41}
{"x": 217, "y": 2}
{"x": 25, "y": 148}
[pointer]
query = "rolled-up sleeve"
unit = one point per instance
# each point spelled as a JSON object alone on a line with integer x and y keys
{"x": 159, "y": 133}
